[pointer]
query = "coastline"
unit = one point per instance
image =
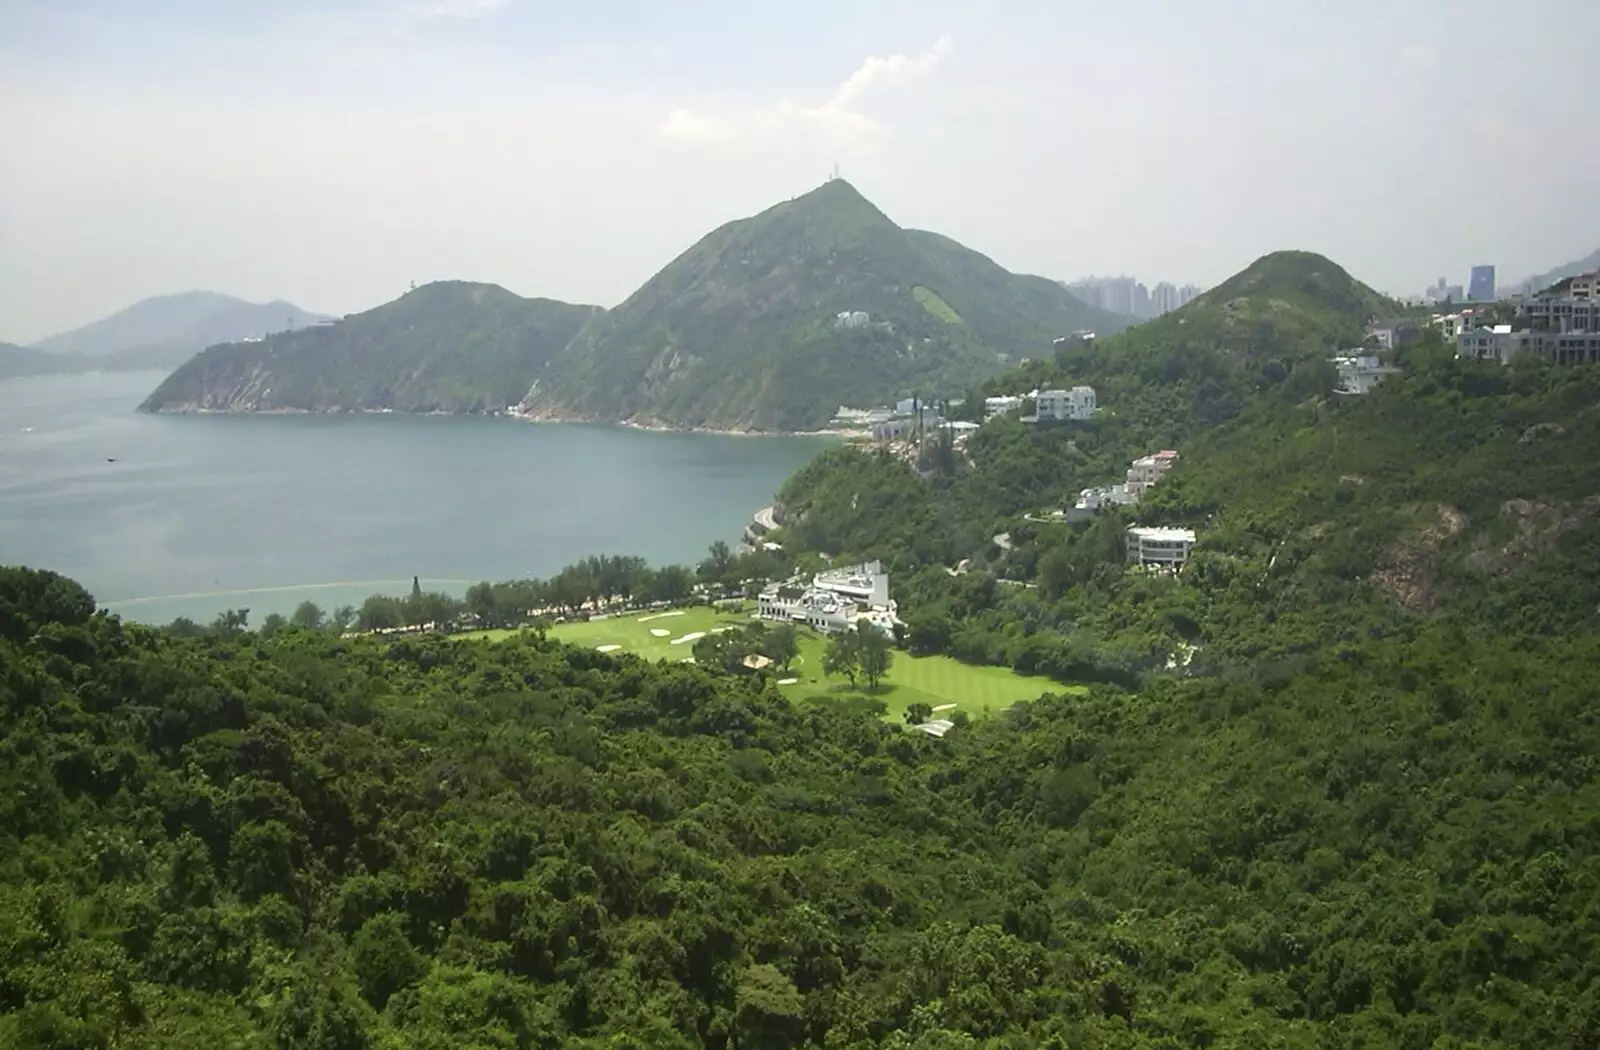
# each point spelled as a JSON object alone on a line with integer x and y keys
{"x": 653, "y": 427}
{"x": 658, "y": 427}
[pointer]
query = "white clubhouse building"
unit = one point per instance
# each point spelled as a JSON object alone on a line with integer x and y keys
{"x": 832, "y": 601}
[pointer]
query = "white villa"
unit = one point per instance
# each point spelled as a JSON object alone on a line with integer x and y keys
{"x": 1077, "y": 403}
{"x": 1358, "y": 372}
{"x": 1166, "y": 548}
{"x": 832, "y": 601}
{"x": 999, "y": 406}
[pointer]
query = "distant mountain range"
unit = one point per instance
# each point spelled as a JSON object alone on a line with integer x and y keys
{"x": 450, "y": 346}
{"x": 1587, "y": 264}
{"x": 767, "y": 324}
{"x": 165, "y": 331}
{"x": 19, "y": 361}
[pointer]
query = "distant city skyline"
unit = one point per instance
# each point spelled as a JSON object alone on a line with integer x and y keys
{"x": 1131, "y": 297}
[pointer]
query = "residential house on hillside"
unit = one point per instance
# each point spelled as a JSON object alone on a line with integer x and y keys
{"x": 1148, "y": 470}
{"x": 1142, "y": 474}
{"x": 832, "y": 601}
{"x": 1000, "y": 405}
{"x": 1161, "y": 547}
{"x": 1452, "y": 325}
{"x": 852, "y": 319}
{"x": 1394, "y": 334}
{"x": 1055, "y": 405}
{"x": 1091, "y": 501}
{"x": 1359, "y": 372}
{"x": 1561, "y": 328}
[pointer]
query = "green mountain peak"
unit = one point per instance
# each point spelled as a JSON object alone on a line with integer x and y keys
{"x": 773, "y": 321}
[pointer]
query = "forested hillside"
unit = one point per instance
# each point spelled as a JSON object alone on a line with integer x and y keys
{"x": 1455, "y": 490}
{"x": 316, "y": 843}
{"x": 739, "y": 331}
{"x": 449, "y": 346}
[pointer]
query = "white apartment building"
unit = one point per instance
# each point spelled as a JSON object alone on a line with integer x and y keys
{"x": 852, "y": 319}
{"x": 832, "y": 601}
{"x": 1077, "y": 403}
{"x": 1163, "y": 547}
{"x": 1359, "y": 373}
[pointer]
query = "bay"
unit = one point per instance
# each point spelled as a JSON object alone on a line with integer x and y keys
{"x": 166, "y": 516}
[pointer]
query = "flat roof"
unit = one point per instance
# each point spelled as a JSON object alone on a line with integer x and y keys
{"x": 1157, "y": 532}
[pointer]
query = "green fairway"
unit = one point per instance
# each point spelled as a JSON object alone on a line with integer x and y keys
{"x": 648, "y": 635}
{"x": 937, "y": 681}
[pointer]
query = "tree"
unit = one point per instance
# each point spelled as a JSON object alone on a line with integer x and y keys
{"x": 273, "y": 624}
{"x": 343, "y": 617}
{"x": 385, "y": 961}
{"x": 874, "y": 653}
{"x": 231, "y": 622}
{"x": 716, "y": 566}
{"x": 842, "y": 656}
{"x": 782, "y": 645}
{"x": 309, "y": 616}
{"x": 918, "y": 713}
{"x": 672, "y": 583}
{"x": 380, "y": 612}
{"x": 481, "y": 603}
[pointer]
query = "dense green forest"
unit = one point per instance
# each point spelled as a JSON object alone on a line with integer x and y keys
{"x": 449, "y": 346}
{"x": 301, "y": 841}
{"x": 739, "y": 330}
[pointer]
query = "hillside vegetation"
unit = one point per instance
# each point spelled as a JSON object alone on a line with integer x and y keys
{"x": 1458, "y": 491}
{"x": 451, "y": 346}
{"x": 313, "y": 843}
{"x": 738, "y": 331}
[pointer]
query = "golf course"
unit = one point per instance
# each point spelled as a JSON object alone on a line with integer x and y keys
{"x": 946, "y": 685}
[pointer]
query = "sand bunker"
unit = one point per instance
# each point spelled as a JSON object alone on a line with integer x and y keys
{"x": 692, "y": 636}
{"x": 661, "y": 632}
{"x": 687, "y": 660}
{"x": 607, "y": 648}
{"x": 660, "y": 616}
{"x": 945, "y": 707}
{"x": 787, "y": 681}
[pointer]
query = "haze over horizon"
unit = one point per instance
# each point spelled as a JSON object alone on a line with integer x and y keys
{"x": 332, "y": 153}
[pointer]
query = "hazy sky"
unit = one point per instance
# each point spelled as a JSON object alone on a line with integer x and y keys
{"x": 332, "y": 152}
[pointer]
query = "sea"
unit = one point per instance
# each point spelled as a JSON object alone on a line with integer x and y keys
{"x": 162, "y": 516}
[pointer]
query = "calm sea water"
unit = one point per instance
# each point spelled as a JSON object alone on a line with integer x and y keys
{"x": 202, "y": 513}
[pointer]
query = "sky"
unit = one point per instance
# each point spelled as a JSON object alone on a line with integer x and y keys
{"x": 331, "y": 153}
